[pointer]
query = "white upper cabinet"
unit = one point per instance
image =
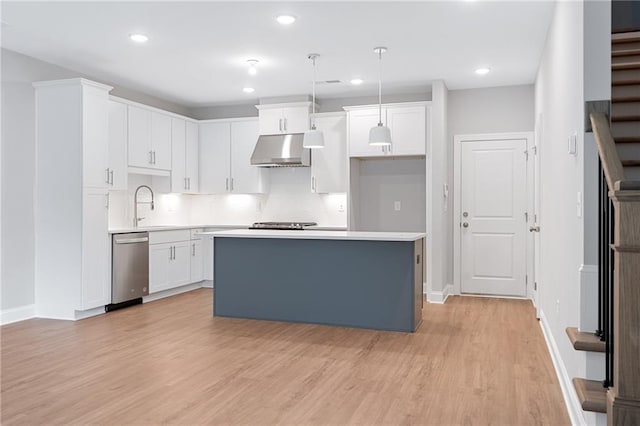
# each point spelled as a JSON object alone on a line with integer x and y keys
{"x": 184, "y": 157}
{"x": 192, "y": 152}
{"x": 95, "y": 135}
{"x": 139, "y": 128}
{"x": 360, "y": 122}
{"x": 407, "y": 123}
{"x": 117, "y": 170}
{"x": 245, "y": 178}
{"x": 225, "y": 158}
{"x": 178, "y": 158}
{"x": 408, "y": 129}
{"x": 161, "y": 140}
{"x": 283, "y": 118}
{"x": 329, "y": 168}
{"x": 215, "y": 152}
{"x": 149, "y": 139}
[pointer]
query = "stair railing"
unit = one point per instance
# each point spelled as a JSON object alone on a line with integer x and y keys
{"x": 621, "y": 324}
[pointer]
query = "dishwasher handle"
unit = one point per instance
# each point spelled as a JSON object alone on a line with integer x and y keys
{"x": 131, "y": 240}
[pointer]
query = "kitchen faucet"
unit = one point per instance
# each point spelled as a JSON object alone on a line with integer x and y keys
{"x": 137, "y": 219}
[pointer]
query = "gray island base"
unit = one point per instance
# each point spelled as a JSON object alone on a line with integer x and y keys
{"x": 352, "y": 279}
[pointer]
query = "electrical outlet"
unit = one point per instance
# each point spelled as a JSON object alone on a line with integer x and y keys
{"x": 340, "y": 208}
{"x": 396, "y": 206}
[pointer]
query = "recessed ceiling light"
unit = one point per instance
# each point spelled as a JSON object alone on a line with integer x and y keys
{"x": 248, "y": 90}
{"x": 286, "y": 19}
{"x": 357, "y": 81}
{"x": 483, "y": 71}
{"x": 139, "y": 38}
{"x": 252, "y": 66}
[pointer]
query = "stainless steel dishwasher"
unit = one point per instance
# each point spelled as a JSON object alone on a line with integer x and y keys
{"x": 129, "y": 269}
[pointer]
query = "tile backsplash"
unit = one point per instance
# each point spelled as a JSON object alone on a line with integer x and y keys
{"x": 289, "y": 199}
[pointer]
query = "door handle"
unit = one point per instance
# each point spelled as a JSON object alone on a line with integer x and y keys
{"x": 280, "y": 124}
{"x": 111, "y": 177}
{"x": 154, "y": 157}
{"x": 231, "y": 184}
{"x": 285, "y": 124}
{"x": 465, "y": 225}
{"x": 226, "y": 184}
{"x": 193, "y": 249}
{"x": 534, "y": 229}
{"x": 107, "y": 181}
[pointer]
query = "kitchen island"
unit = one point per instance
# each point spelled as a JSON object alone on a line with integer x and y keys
{"x": 354, "y": 279}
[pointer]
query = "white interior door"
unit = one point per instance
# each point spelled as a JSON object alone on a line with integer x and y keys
{"x": 492, "y": 217}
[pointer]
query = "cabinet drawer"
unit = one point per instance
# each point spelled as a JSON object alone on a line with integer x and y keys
{"x": 159, "y": 237}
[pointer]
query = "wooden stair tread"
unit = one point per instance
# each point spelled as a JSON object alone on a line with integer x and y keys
{"x": 592, "y": 395}
{"x": 626, "y": 37}
{"x": 621, "y": 118}
{"x": 631, "y": 65}
{"x": 582, "y": 341}
{"x": 624, "y": 99}
{"x": 625, "y": 52}
{"x": 627, "y": 139}
{"x": 630, "y": 163}
{"x": 630, "y": 82}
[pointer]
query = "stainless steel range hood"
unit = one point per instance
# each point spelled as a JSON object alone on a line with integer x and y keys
{"x": 281, "y": 151}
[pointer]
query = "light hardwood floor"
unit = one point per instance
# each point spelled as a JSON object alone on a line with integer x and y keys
{"x": 473, "y": 361}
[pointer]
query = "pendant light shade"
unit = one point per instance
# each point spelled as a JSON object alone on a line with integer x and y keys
{"x": 380, "y": 135}
{"x": 313, "y": 138}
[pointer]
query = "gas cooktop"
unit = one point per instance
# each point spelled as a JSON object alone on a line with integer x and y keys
{"x": 297, "y": 226}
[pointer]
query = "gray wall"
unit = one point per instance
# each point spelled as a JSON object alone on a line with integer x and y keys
{"x": 18, "y": 168}
{"x": 324, "y": 105}
{"x": 381, "y": 183}
{"x": 490, "y": 110}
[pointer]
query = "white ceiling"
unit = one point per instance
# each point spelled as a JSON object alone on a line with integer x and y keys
{"x": 197, "y": 50}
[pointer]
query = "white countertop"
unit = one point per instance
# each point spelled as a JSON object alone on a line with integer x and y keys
{"x": 178, "y": 227}
{"x": 317, "y": 235}
{"x": 171, "y": 228}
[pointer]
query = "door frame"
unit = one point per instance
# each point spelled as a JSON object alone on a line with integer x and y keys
{"x": 457, "y": 198}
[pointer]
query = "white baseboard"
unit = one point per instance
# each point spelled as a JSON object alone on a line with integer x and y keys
{"x": 20, "y": 313}
{"x": 566, "y": 385}
{"x": 440, "y": 296}
{"x": 171, "y": 292}
{"x": 90, "y": 313}
{"x": 207, "y": 283}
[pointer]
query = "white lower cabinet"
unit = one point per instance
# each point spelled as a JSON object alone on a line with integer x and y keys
{"x": 174, "y": 260}
{"x": 96, "y": 274}
{"x": 197, "y": 261}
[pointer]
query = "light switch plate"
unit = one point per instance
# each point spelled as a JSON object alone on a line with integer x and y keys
{"x": 573, "y": 144}
{"x": 396, "y": 205}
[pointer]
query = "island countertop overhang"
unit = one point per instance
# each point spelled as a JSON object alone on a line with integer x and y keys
{"x": 318, "y": 235}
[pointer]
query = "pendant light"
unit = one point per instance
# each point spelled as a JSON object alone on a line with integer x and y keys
{"x": 313, "y": 138}
{"x": 380, "y": 135}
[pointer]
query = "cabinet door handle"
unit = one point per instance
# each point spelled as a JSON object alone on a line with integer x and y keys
{"x": 193, "y": 249}
{"x": 107, "y": 201}
{"x": 150, "y": 157}
{"x": 189, "y": 181}
{"x": 280, "y": 124}
{"x": 111, "y": 177}
{"x": 232, "y": 184}
{"x": 285, "y": 124}
{"x": 313, "y": 183}
{"x": 107, "y": 181}
{"x": 226, "y": 184}
{"x": 154, "y": 157}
